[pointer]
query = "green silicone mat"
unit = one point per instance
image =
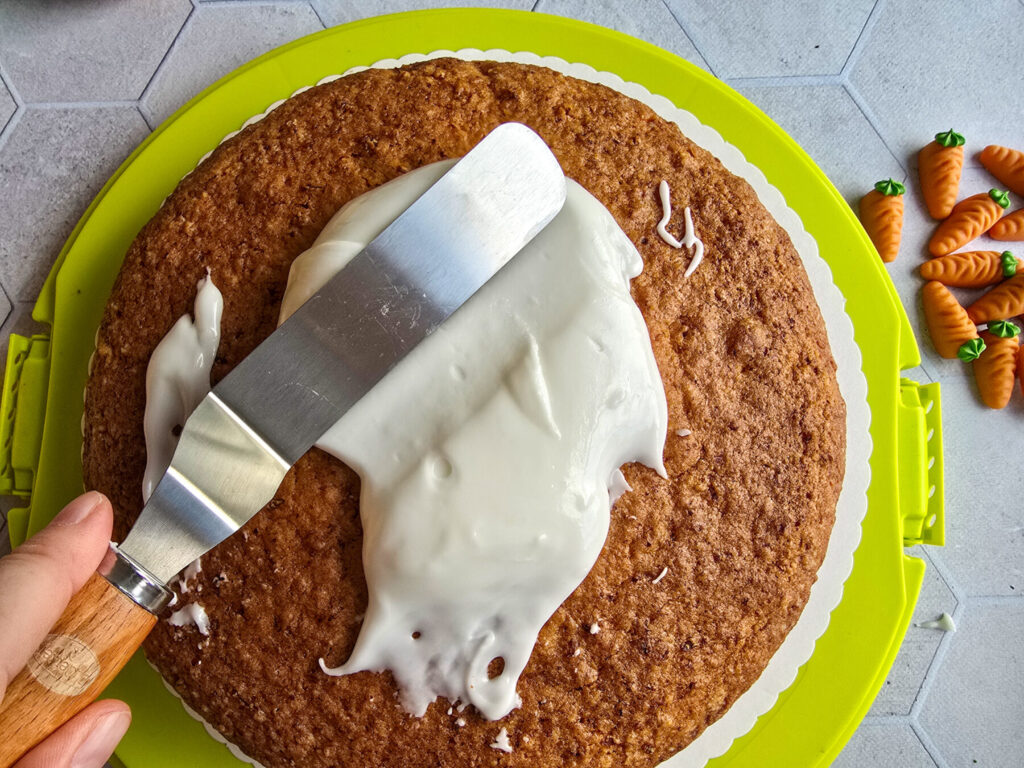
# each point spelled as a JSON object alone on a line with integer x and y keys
{"x": 40, "y": 437}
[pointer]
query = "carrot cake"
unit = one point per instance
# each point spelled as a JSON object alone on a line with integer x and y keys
{"x": 707, "y": 563}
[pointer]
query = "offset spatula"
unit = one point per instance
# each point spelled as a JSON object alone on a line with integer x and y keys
{"x": 244, "y": 436}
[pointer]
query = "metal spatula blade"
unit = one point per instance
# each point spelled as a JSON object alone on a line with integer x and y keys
{"x": 244, "y": 436}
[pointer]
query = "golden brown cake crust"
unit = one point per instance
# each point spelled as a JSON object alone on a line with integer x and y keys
{"x": 742, "y": 523}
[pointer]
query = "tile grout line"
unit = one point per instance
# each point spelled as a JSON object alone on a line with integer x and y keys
{"x": 935, "y": 665}
{"x": 781, "y": 81}
{"x": 19, "y": 105}
{"x": 869, "y": 115}
{"x": 80, "y": 104}
{"x": 861, "y": 41}
{"x": 163, "y": 60}
{"x": 689, "y": 36}
{"x": 958, "y": 592}
{"x": 929, "y": 746}
{"x": 316, "y": 12}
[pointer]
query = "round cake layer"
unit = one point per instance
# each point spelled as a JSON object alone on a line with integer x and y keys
{"x": 741, "y": 524}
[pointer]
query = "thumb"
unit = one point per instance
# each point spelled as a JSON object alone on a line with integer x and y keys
{"x": 38, "y": 579}
{"x": 84, "y": 741}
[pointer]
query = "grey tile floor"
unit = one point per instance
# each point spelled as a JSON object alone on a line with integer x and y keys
{"x": 861, "y": 84}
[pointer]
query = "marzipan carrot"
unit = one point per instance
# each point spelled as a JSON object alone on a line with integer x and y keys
{"x": 1020, "y": 367}
{"x": 1005, "y": 164}
{"x": 881, "y": 213}
{"x": 971, "y": 269}
{"x": 996, "y": 369}
{"x": 948, "y": 323}
{"x": 1010, "y": 227}
{"x": 970, "y": 218}
{"x": 1004, "y": 301}
{"x": 939, "y": 166}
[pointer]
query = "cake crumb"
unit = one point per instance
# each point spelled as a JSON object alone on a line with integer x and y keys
{"x": 661, "y": 575}
{"x": 594, "y": 628}
{"x": 501, "y": 741}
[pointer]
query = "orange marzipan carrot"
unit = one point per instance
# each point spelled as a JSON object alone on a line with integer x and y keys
{"x": 948, "y": 322}
{"x": 1004, "y": 301}
{"x": 971, "y": 269}
{"x": 939, "y": 165}
{"x": 1010, "y": 227}
{"x": 1005, "y": 164}
{"x": 1020, "y": 368}
{"x": 881, "y": 213}
{"x": 969, "y": 219}
{"x": 996, "y": 369}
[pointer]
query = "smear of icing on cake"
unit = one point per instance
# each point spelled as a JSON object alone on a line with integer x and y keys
{"x": 690, "y": 239}
{"x": 683, "y": 432}
{"x": 191, "y": 614}
{"x": 490, "y": 456}
{"x": 660, "y": 576}
{"x": 178, "y": 378}
{"x": 501, "y": 741}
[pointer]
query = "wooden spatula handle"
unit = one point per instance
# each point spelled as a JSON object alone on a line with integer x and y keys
{"x": 88, "y": 645}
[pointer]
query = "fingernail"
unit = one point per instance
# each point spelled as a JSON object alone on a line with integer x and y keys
{"x": 79, "y": 509}
{"x": 100, "y": 743}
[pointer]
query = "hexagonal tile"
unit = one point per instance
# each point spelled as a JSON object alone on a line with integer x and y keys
{"x": 343, "y": 11}
{"x": 216, "y": 40}
{"x": 773, "y": 38}
{"x": 884, "y": 744}
{"x": 53, "y": 162}
{"x": 919, "y": 646}
{"x": 71, "y": 51}
{"x": 7, "y": 106}
{"x": 826, "y": 122}
{"x": 974, "y": 710}
{"x": 924, "y": 68}
{"x": 649, "y": 20}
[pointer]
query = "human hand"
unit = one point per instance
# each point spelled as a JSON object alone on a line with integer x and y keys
{"x": 36, "y": 582}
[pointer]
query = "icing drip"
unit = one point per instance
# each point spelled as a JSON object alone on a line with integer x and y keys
{"x": 490, "y": 456}
{"x": 944, "y": 622}
{"x": 193, "y": 614}
{"x": 177, "y": 378}
{"x": 501, "y": 741}
{"x": 690, "y": 240}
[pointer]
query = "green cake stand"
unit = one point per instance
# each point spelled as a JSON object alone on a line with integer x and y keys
{"x": 41, "y": 411}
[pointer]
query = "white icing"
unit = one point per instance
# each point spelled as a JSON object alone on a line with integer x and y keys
{"x": 690, "y": 239}
{"x": 683, "y": 432}
{"x": 190, "y": 572}
{"x": 194, "y": 614}
{"x": 177, "y": 378}
{"x": 660, "y": 576}
{"x": 944, "y": 622}
{"x": 595, "y": 628}
{"x": 490, "y": 456}
{"x": 501, "y": 741}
